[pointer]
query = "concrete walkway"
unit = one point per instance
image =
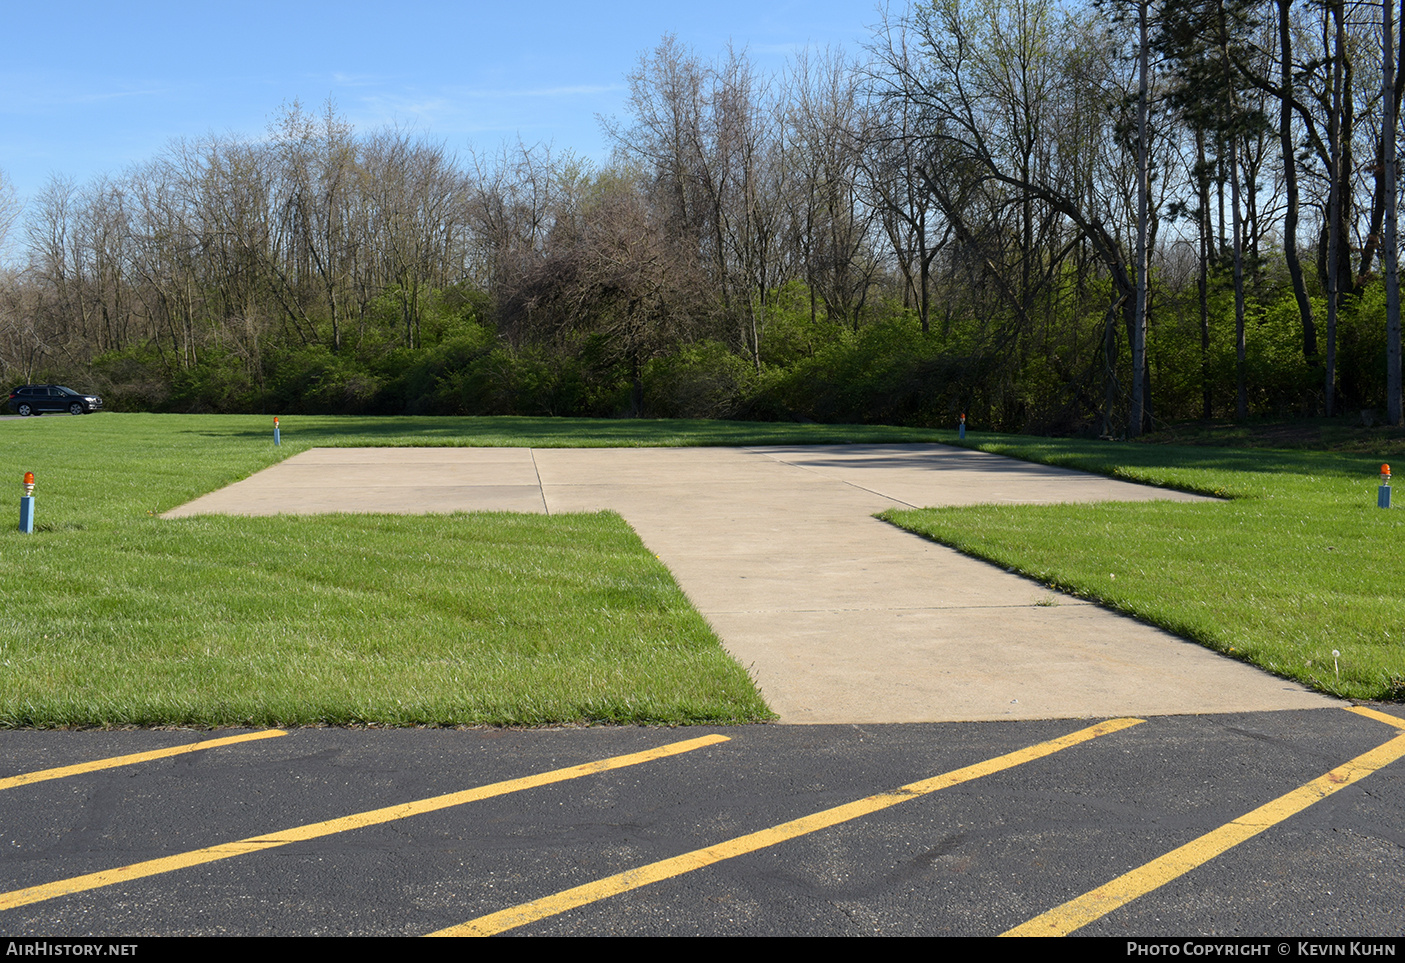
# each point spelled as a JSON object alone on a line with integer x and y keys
{"x": 838, "y": 616}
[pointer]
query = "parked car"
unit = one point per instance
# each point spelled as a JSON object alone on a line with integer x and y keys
{"x": 37, "y": 399}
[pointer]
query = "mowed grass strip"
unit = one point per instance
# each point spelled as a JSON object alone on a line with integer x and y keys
{"x": 1296, "y": 563}
{"x": 396, "y": 620}
{"x": 113, "y": 616}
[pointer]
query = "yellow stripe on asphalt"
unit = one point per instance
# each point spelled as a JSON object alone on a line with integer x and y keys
{"x": 665, "y": 869}
{"x": 1379, "y": 716}
{"x": 9, "y": 782}
{"x": 1093, "y": 905}
{"x": 254, "y": 844}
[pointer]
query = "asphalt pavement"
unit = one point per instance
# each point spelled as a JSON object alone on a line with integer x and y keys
{"x": 820, "y": 830}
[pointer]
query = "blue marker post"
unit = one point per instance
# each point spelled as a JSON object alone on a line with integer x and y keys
{"x": 961, "y": 430}
{"x": 27, "y": 505}
{"x": 1383, "y": 493}
{"x": 277, "y": 439}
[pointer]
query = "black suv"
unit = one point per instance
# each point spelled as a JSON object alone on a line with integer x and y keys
{"x": 37, "y": 399}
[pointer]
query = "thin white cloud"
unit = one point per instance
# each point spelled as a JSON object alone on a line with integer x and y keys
{"x": 390, "y": 103}
{"x": 104, "y": 96}
{"x": 356, "y": 80}
{"x": 26, "y": 94}
{"x": 579, "y": 90}
{"x": 464, "y": 108}
{"x": 779, "y": 49}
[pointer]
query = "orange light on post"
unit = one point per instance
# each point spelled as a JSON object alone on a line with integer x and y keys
{"x": 1383, "y": 493}
{"x": 27, "y": 504}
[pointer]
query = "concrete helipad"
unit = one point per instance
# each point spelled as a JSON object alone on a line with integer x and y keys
{"x": 838, "y": 616}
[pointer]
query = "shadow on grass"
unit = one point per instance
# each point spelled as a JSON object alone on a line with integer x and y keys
{"x": 1108, "y": 457}
{"x": 516, "y": 431}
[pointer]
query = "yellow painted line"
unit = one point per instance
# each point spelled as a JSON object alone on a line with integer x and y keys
{"x": 254, "y": 844}
{"x": 9, "y": 782}
{"x": 1093, "y": 905}
{"x": 1379, "y": 716}
{"x": 678, "y": 865}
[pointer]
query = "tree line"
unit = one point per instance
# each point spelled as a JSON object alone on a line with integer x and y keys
{"x": 1060, "y": 218}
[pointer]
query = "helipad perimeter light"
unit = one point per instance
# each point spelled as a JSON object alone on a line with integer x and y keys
{"x": 27, "y": 504}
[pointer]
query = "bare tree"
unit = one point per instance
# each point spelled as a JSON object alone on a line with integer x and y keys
{"x": 1390, "y": 201}
{"x": 829, "y": 126}
{"x": 10, "y": 208}
{"x": 712, "y": 139}
{"x": 905, "y": 208}
{"x": 1018, "y": 151}
{"x": 512, "y": 206}
{"x": 610, "y": 272}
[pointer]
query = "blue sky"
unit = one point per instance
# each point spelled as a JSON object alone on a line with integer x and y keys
{"x": 93, "y": 88}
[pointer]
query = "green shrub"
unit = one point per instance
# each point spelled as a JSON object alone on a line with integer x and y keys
{"x": 703, "y": 380}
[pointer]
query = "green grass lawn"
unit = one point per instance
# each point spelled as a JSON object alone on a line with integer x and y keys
{"x": 113, "y": 616}
{"x": 1297, "y": 563}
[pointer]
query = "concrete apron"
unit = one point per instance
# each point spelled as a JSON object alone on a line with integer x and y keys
{"x": 839, "y": 617}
